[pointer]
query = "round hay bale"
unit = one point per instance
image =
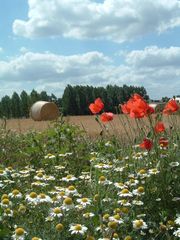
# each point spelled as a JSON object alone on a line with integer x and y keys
{"x": 42, "y": 111}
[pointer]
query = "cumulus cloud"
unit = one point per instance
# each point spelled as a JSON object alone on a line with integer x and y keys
{"x": 156, "y": 69}
{"x": 113, "y": 20}
{"x": 154, "y": 57}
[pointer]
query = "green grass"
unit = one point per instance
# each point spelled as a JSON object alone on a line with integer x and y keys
{"x": 39, "y": 163}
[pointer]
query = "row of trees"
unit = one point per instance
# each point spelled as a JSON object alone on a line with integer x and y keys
{"x": 18, "y": 106}
{"x": 75, "y": 100}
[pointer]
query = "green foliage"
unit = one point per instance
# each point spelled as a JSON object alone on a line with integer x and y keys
{"x": 18, "y": 106}
{"x": 75, "y": 100}
{"x": 64, "y": 150}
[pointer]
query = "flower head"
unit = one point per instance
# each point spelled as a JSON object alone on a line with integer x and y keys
{"x": 159, "y": 127}
{"x": 97, "y": 106}
{"x": 163, "y": 142}
{"x": 78, "y": 229}
{"x": 146, "y": 144}
{"x": 106, "y": 116}
{"x": 171, "y": 107}
{"x": 137, "y": 107}
{"x": 139, "y": 224}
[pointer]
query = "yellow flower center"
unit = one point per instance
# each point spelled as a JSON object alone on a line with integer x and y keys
{"x": 10, "y": 168}
{"x": 71, "y": 188}
{"x": 102, "y": 178}
{"x": 112, "y": 225}
{"x": 40, "y": 175}
{"x": 140, "y": 189}
{"x": 42, "y": 195}
{"x": 128, "y": 238}
{"x": 4, "y": 196}
{"x": 62, "y": 194}
{"x": 90, "y": 238}
{"x": 78, "y": 227}
{"x": 139, "y": 223}
{"x": 1, "y": 171}
{"x": 19, "y": 231}
{"x": 69, "y": 176}
{"x": 15, "y": 192}
{"x": 125, "y": 210}
{"x": 59, "y": 227}
{"x": 117, "y": 210}
{"x": 142, "y": 171}
{"x": 120, "y": 184}
{"x": 57, "y": 210}
{"x": 170, "y": 222}
{"x": 124, "y": 201}
{"x": 68, "y": 201}
{"x": 117, "y": 217}
{"x": 115, "y": 235}
{"x": 125, "y": 190}
{"x": 96, "y": 197}
{"x": 22, "y": 208}
{"x": 84, "y": 200}
{"x": 35, "y": 238}
{"x": 33, "y": 195}
{"x": 106, "y": 216}
{"x": 8, "y": 211}
{"x": 5, "y": 201}
{"x": 132, "y": 180}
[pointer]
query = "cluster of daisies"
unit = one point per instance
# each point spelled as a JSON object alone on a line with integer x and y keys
{"x": 107, "y": 202}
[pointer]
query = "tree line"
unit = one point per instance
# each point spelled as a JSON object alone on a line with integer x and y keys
{"x": 18, "y": 105}
{"x": 75, "y": 99}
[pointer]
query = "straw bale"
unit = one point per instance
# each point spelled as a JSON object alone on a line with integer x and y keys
{"x": 42, "y": 111}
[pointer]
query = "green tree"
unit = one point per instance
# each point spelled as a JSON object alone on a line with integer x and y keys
{"x": 25, "y": 104}
{"x": 43, "y": 96}
{"x": 6, "y": 107}
{"x": 69, "y": 104}
{"x": 16, "y": 105}
{"x": 34, "y": 96}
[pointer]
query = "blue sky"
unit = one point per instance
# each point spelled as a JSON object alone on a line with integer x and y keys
{"x": 48, "y": 44}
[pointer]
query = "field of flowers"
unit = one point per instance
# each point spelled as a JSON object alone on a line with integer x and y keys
{"x": 58, "y": 184}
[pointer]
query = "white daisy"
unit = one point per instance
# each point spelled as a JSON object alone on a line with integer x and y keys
{"x": 177, "y": 221}
{"x": 177, "y": 233}
{"x": 84, "y": 201}
{"x": 139, "y": 224}
{"x": 125, "y": 193}
{"x": 56, "y": 212}
{"x": 69, "y": 178}
{"x": 19, "y": 234}
{"x": 78, "y": 229}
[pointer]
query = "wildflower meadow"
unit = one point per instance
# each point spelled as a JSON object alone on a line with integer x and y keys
{"x": 60, "y": 184}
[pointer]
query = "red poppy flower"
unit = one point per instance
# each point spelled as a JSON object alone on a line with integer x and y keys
{"x": 159, "y": 127}
{"x": 137, "y": 107}
{"x": 146, "y": 144}
{"x": 171, "y": 107}
{"x": 106, "y": 116}
{"x": 97, "y": 106}
{"x": 163, "y": 142}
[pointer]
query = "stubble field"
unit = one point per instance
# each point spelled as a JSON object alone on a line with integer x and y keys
{"x": 86, "y": 123}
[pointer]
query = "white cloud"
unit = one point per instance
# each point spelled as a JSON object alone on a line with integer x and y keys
{"x": 1, "y": 50}
{"x": 157, "y": 69}
{"x": 23, "y": 50}
{"x": 154, "y": 57}
{"x": 114, "y": 20}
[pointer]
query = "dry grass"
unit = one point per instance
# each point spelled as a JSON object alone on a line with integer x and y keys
{"x": 121, "y": 125}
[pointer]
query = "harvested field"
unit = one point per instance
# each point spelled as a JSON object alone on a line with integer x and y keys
{"x": 121, "y": 125}
{"x": 87, "y": 123}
